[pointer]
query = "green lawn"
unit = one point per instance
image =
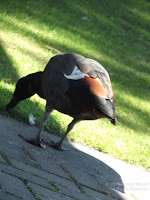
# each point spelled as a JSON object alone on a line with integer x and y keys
{"x": 115, "y": 33}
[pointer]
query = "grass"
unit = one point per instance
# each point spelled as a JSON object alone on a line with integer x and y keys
{"x": 115, "y": 33}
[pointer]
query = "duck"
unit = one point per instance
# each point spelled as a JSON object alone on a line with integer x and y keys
{"x": 71, "y": 84}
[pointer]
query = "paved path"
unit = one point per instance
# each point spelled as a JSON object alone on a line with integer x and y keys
{"x": 32, "y": 173}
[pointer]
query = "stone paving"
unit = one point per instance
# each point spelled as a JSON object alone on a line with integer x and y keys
{"x": 80, "y": 173}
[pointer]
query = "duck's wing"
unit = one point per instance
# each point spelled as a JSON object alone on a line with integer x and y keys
{"x": 95, "y": 70}
{"x": 97, "y": 80}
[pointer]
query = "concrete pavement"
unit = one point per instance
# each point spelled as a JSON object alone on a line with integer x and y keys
{"x": 81, "y": 173}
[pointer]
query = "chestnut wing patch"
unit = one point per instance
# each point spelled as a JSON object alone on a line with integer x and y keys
{"x": 96, "y": 87}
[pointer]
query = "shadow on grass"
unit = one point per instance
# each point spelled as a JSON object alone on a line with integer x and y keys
{"x": 7, "y": 70}
{"x": 22, "y": 110}
{"x": 7, "y": 75}
{"x": 118, "y": 32}
{"x": 113, "y": 26}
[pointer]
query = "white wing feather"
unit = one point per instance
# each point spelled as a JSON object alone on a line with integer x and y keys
{"x": 75, "y": 75}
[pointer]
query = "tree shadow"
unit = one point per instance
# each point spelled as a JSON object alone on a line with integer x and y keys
{"x": 10, "y": 76}
{"x": 7, "y": 69}
{"x": 84, "y": 164}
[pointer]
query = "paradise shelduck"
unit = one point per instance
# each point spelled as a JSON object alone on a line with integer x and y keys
{"x": 73, "y": 85}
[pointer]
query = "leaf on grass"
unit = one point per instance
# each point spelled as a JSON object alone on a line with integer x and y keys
{"x": 31, "y": 119}
{"x": 6, "y": 79}
{"x": 85, "y": 18}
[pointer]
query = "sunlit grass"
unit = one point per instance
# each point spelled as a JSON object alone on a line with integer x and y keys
{"x": 115, "y": 33}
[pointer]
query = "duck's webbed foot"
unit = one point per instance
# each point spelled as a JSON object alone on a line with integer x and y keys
{"x": 33, "y": 141}
{"x": 55, "y": 145}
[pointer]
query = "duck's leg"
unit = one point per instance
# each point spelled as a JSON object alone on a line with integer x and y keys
{"x": 37, "y": 141}
{"x": 59, "y": 144}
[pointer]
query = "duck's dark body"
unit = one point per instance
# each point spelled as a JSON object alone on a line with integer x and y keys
{"x": 81, "y": 104}
{"x": 73, "y": 85}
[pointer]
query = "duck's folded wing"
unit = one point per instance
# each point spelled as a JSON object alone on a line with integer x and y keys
{"x": 95, "y": 70}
